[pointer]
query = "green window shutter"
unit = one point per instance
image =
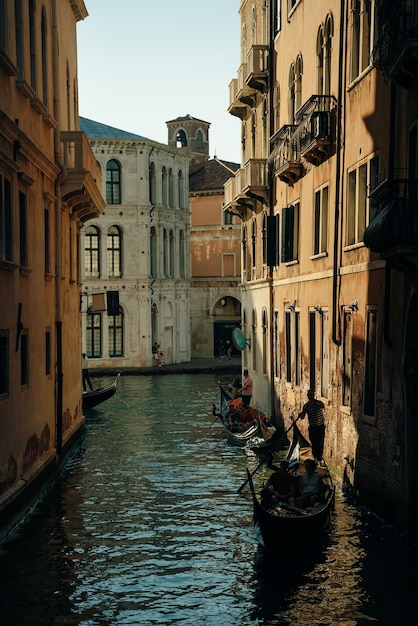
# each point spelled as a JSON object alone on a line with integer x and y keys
{"x": 272, "y": 240}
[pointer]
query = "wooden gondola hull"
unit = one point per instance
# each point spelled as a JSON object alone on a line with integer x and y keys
{"x": 97, "y": 396}
{"x": 280, "y": 527}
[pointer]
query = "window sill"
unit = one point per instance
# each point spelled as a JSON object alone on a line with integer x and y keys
{"x": 320, "y": 255}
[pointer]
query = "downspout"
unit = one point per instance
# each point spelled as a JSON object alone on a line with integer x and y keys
{"x": 391, "y": 173}
{"x": 58, "y": 225}
{"x": 271, "y": 75}
{"x": 336, "y": 277}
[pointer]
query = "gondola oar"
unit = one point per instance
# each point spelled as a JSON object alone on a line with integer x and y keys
{"x": 250, "y": 475}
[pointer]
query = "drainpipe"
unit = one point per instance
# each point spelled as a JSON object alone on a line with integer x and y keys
{"x": 270, "y": 175}
{"x": 336, "y": 278}
{"x": 58, "y": 266}
{"x": 391, "y": 174}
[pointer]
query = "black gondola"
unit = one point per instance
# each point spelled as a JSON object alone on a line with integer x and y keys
{"x": 97, "y": 396}
{"x": 243, "y": 424}
{"x": 278, "y": 526}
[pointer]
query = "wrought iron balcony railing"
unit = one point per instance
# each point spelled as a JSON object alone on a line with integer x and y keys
{"x": 284, "y": 160}
{"x": 314, "y": 137}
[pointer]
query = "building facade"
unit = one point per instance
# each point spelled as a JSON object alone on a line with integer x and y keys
{"x": 215, "y": 242}
{"x": 136, "y": 273}
{"x": 333, "y": 86}
{"x": 49, "y": 185}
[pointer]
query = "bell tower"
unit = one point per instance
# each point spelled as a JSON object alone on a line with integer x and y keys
{"x": 189, "y": 133}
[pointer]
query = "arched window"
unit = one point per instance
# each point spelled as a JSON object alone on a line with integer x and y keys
{"x": 276, "y": 105}
{"x": 254, "y": 339}
{"x": 244, "y": 330}
{"x": 164, "y": 186}
{"x": 170, "y": 189}
{"x": 113, "y": 182}
{"x": 329, "y": 33}
{"x": 243, "y": 140}
{"x": 152, "y": 184}
{"x": 199, "y": 140}
{"x": 180, "y": 183}
{"x": 264, "y": 243}
{"x": 44, "y": 58}
{"x": 94, "y": 335}
{"x": 181, "y": 139}
{"x": 68, "y": 96}
{"x": 153, "y": 249}
{"x": 298, "y": 82}
{"x": 253, "y": 26}
{"x": 264, "y": 323}
{"x": 243, "y": 44}
{"x": 292, "y": 94}
{"x": 254, "y": 249}
{"x": 114, "y": 252}
{"x": 244, "y": 253}
{"x": 265, "y": 129}
{"x": 165, "y": 253}
{"x": 182, "y": 265}
{"x": 320, "y": 61}
{"x": 92, "y": 252}
{"x": 115, "y": 334}
{"x": 253, "y": 133}
{"x": 171, "y": 253}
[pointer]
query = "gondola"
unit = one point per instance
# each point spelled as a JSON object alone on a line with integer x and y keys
{"x": 279, "y": 526}
{"x": 243, "y": 424}
{"x": 97, "y": 396}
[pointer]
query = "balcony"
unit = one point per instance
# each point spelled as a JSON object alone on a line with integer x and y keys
{"x": 284, "y": 160}
{"x": 257, "y": 68}
{"x": 393, "y": 232}
{"x": 396, "y": 52}
{"x": 245, "y": 94}
{"x": 246, "y": 188}
{"x": 236, "y": 107}
{"x": 314, "y": 138}
{"x": 82, "y": 179}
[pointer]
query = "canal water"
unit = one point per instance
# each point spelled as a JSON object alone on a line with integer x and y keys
{"x": 146, "y": 527}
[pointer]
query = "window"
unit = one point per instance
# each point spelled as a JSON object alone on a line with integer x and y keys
{"x": 244, "y": 253}
{"x": 6, "y": 222}
{"x": 254, "y": 340}
{"x": 152, "y": 184}
{"x": 312, "y": 350}
{"x": 254, "y": 249}
{"x": 164, "y": 186}
{"x": 23, "y": 235}
{"x": 297, "y": 347}
{"x": 276, "y": 345}
{"x": 24, "y": 358}
{"x": 19, "y": 37}
{"x": 4, "y": 362}
{"x": 228, "y": 217}
{"x": 288, "y": 339}
{"x": 181, "y": 191}
{"x": 323, "y": 53}
{"x": 165, "y": 254}
{"x": 114, "y": 252}
{"x": 115, "y": 329}
{"x": 370, "y": 363}
{"x": 3, "y": 29}
{"x": 48, "y": 353}
{"x": 290, "y": 232}
{"x": 321, "y": 221}
{"x": 362, "y": 35}
{"x": 92, "y": 252}
{"x": 94, "y": 335}
{"x": 265, "y": 342}
{"x": 298, "y": 82}
{"x": 47, "y": 258}
{"x": 182, "y": 264}
{"x": 277, "y": 16}
{"x": 153, "y": 251}
{"x": 347, "y": 350}
{"x": 199, "y": 140}
{"x": 357, "y": 205}
{"x": 276, "y": 107}
{"x": 264, "y": 242}
{"x": 113, "y": 182}
{"x": 44, "y": 58}
{"x": 32, "y": 44}
{"x": 324, "y": 353}
{"x": 292, "y": 95}
{"x": 273, "y": 239}
{"x": 171, "y": 253}
{"x": 170, "y": 189}
{"x": 292, "y": 338}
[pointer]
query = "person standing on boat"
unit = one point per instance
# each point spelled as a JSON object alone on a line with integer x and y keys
{"x": 315, "y": 410}
{"x": 85, "y": 371}
{"x": 247, "y": 388}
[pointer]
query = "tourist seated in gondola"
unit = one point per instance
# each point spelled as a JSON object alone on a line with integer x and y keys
{"x": 280, "y": 487}
{"x": 311, "y": 486}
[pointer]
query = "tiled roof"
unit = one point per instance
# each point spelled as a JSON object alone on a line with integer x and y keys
{"x": 96, "y": 130}
{"x": 210, "y": 175}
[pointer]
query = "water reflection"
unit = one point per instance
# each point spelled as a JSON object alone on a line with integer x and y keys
{"x": 147, "y": 528}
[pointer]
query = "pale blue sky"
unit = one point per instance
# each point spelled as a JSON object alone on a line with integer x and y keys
{"x": 142, "y": 63}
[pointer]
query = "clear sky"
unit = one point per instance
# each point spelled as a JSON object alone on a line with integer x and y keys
{"x": 142, "y": 63}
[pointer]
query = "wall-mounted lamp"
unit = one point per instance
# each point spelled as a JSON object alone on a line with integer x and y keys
{"x": 318, "y": 308}
{"x": 292, "y": 306}
{"x": 353, "y": 306}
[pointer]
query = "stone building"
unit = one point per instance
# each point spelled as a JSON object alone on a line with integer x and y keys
{"x": 327, "y": 194}
{"x": 215, "y": 241}
{"x": 49, "y": 185}
{"x": 136, "y": 273}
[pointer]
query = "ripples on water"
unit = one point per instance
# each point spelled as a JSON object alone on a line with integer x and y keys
{"x": 147, "y": 528}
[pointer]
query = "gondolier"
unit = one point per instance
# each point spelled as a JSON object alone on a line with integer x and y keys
{"x": 315, "y": 410}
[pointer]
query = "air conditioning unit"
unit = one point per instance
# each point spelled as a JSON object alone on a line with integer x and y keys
{"x": 320, "y": 125}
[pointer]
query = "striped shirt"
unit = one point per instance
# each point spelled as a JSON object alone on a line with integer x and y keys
{"x": 314, "y": 409}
